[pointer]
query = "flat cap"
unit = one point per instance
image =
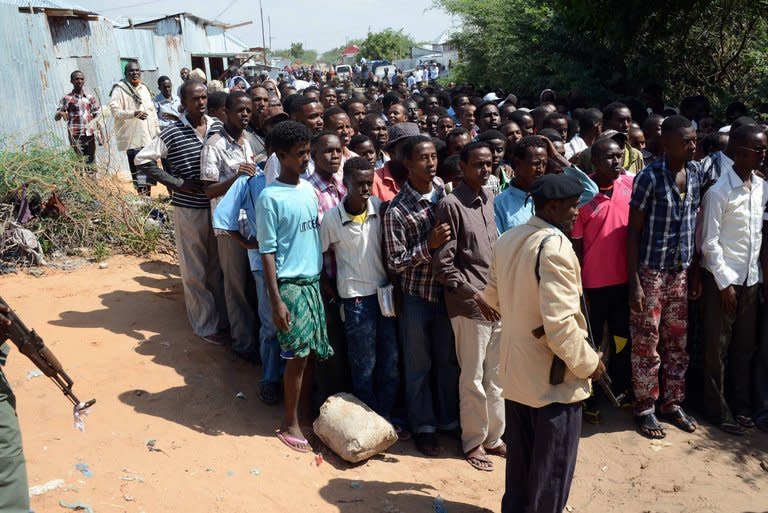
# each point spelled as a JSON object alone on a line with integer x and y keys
{"x": 556, "y": 187}
{"x": 273, "y": 115}
{"x": 401, "y": 131}
{"x": 615, "y": 135}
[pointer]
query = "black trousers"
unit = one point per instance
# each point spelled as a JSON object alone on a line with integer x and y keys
{"x": 84, "y": 146}
{"x": 139, "y": 177}
{"x": 760, "y": 377}
{"x": 541, "y": 456}
{"x": 729, "y": 344}
{"x": 610, "y": 305}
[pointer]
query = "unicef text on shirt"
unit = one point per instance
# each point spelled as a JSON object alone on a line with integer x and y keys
{"x": 308, "y": 225}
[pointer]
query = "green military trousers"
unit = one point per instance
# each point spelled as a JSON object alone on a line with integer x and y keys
{"x": 14, "y": 489}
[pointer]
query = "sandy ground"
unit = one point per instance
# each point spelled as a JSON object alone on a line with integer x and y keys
{"x": 122, "y": 334}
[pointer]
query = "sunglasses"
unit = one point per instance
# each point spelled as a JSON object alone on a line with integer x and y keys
{"x": 762, "y": 149}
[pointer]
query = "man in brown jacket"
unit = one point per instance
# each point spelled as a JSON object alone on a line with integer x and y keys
{"x": 535, "y": 284}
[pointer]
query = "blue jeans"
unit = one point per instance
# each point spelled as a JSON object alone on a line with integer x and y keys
{"x": 372, "y": 353}
{"x": 269, "y": 348}
{"x": 431, "y": 368}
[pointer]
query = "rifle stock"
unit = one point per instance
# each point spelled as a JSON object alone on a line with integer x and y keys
{"x": 31, "y": 345}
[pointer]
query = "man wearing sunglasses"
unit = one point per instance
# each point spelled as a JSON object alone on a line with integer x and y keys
{"x": 732, "y": 224}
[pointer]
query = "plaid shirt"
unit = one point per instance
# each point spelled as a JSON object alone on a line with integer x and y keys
{"x": 493, "y": 186}
{"x": 80, "y": 109}
{"x": 667, "y": 240}
{"x": 329, "y": 194}
{"x": 407, "y": 224}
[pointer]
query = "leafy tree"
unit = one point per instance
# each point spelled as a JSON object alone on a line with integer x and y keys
{"x": 297, "y": 51}
{"x": 605, "y": 49}
{"x": 387, "y": 44}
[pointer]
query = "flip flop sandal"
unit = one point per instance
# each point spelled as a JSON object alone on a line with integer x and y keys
{"x": 498, "y": 451}
{"x": 480, "y": 463}
{"x": 647, "y": 424}
{"x": 732, "y": 428}
{"x": 745, "y": 421}
{"x": 294, "y": 442}
{"x": 681, "y": 420}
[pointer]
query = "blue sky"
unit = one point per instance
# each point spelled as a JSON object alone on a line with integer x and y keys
{"x": 319, "y": 25}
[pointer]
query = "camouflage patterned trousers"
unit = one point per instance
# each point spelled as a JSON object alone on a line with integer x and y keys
{"x": 659, "y": 336}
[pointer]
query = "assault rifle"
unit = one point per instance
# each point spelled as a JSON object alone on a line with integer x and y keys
{"x": 32, "y": 346}
{"x": 557, "y": 371}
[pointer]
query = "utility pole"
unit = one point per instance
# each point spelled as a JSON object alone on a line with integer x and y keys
{"x": 269, "y": 24}
{"x": 263, "y": 36}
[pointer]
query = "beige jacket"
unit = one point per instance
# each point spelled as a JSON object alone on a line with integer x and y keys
{"x": 130, "y": 131}
{"x": 524, "y": 305}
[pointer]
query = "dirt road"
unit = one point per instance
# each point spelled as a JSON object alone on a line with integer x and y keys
{"x": 122, "y": 334}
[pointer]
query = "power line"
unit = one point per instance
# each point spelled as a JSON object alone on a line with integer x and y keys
{"x": 128, "y": 6}
{"x": 230, "y": 4}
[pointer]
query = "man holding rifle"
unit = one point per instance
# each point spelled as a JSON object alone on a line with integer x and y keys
{"x": 535, "y": 284}
{"x": 14, "y": 494}
{"x": 14, "y": 490}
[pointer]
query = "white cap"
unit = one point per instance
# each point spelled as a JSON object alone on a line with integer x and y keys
{"x": 491, "y": 97}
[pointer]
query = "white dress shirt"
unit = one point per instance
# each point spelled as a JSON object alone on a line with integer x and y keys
{"x": 574, "y": 146}
{"x": 359, "y": 261}
{"x": 732, "y": 229}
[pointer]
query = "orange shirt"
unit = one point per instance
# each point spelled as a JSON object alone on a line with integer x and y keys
{"x": 384, "y": 185}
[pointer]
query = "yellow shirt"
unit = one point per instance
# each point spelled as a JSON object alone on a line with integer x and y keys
{"x": 360, "y": 218}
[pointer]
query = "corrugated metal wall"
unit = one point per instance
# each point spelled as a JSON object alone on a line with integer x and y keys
{"x": 41, "y": 52}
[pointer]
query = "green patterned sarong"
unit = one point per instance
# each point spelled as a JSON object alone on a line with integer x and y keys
{"x": 308, "y": 333}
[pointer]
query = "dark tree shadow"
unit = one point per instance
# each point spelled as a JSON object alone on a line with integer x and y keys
{"x": 747, "y": 450}
{"x": 351, "y": 496}
{"x": 212, "y": 375}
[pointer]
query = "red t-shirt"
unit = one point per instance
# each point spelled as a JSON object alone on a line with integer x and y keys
{"x": 384, "y": 185}
{"x": 603, "y": 224}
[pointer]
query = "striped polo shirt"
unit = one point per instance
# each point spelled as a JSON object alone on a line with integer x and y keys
{"x": 184, "y": 147}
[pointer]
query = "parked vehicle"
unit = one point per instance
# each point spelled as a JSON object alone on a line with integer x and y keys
{"x": 344, "y": 72}
{"x": 383, "y": 68}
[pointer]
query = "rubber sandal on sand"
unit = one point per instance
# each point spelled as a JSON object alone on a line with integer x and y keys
{"x": 500, "y": 451}
{"x": 745, "y": 421}
{"x": 648, "y": 426}
{"x": 480, "y": 463}
{"x": 680, "y": 420}
{"x": 293, "y": 442}
{"x": 732, "y": 428}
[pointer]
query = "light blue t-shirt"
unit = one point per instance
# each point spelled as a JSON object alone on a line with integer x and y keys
{"x": 243, "y": 194}
{"x": 286, "y": 225}
{"x": 511, "y": 209}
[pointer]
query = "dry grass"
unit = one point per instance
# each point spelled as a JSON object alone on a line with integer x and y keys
{"x": 101, "y": 217}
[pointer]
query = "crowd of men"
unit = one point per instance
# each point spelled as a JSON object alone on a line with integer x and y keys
{"x": 426, "y": 248}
